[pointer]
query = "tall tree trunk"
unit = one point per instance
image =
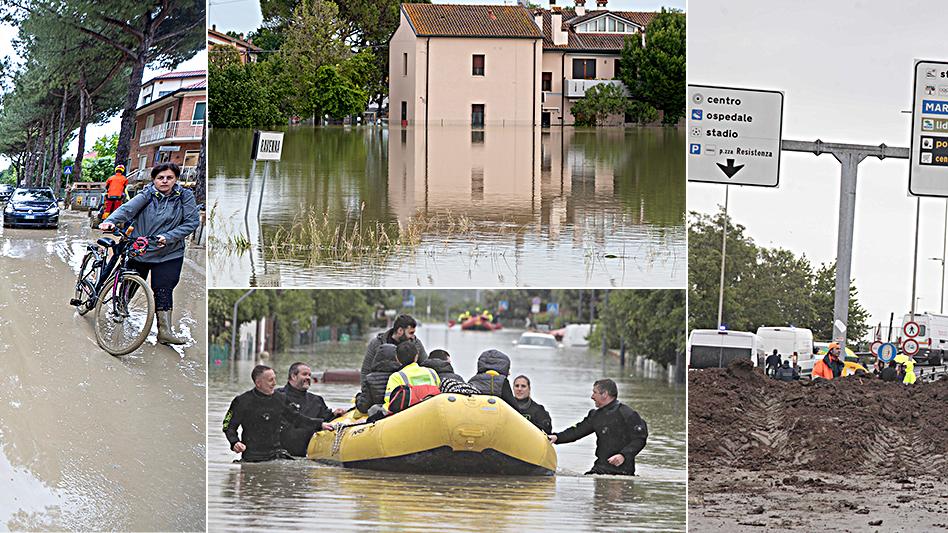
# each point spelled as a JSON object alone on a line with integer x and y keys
{"x": 131, "y": 101}
{"x": 58, "y": 159}
{"x": 201, "y": 178}
{"x": 40, "y": 172}
{"x": 22, "y": 173}
{"x": 77, "y": 165}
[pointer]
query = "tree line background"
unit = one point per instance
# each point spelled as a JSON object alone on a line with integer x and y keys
{"x": 649, "y": 322}
{"x": 330, "y": 57}
{"x": 762, "y": 286}
{"x": 81, "y": 62}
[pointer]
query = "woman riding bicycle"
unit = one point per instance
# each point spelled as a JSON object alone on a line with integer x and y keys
{"x": 167, "y": 210}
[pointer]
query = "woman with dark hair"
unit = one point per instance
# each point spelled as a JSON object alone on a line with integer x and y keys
{"x": 165, "y": 210}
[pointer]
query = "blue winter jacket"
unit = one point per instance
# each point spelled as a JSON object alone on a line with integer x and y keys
{"x": 173, "y": 215}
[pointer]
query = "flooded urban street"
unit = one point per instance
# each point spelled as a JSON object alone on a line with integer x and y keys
{"x": 452, "y": 207}
{"x": 89, "y": 441}
{"x": 299, "y": 494}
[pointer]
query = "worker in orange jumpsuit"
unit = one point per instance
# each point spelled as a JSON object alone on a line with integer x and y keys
{"x": 115, "y": 190}
{"x": 829, "y": 366}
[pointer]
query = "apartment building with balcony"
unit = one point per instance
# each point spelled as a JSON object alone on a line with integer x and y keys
{"x": 499, "y": 64}
{"x": 245, "y": 48}
{"x": 169, "y": 123}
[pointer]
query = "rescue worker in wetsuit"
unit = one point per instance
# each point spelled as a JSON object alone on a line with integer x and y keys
{"x": 115, "y": 190}
{"x": 403, "y": 330}
{"x": 531, "y": 410}
{"x": 829, "y": 366}
{"x": 411, "y": 374}
{"x": 440, "y": 362}
{"x": 296, "y": 439}
{"x": 620, "y": 431}
{"x": 785, "y": 373}
{"x": 262, "y": 413}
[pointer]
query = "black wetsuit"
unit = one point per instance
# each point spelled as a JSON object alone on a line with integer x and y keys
{"x": 262, "y": 418}
{"x": 618, "y": 429}
{"x": 295, "y": 439}
{"x": 536, "y": 414}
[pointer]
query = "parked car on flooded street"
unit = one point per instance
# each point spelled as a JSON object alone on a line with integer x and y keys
{"x": 31, "y": 207}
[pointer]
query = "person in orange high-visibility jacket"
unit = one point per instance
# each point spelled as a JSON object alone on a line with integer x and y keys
{"x": 115, "y": 190}
{"x": 829, "y": 366}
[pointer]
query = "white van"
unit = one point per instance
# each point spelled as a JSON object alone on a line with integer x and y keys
{"x": 787, "y": 340}
{"x": 712, "y": 348}
{"x": 932, "y": 337}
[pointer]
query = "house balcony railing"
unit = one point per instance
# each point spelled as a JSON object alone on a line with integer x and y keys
{"x": 578, "y": 88}
{"x": 181, "y": 130}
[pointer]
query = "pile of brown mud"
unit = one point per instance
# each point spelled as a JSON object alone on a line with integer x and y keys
{"x": 738, "y": 417}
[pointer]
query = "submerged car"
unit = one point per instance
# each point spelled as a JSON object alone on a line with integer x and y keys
{"x": 31, "y": 207}
{"x": 537, "y": 340}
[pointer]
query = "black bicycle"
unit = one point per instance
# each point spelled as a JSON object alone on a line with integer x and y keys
{"x": 124, "y": 303}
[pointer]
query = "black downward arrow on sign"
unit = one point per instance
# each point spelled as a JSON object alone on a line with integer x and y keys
{"x": 730, "y": 169}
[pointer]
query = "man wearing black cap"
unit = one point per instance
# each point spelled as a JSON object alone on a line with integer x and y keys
{"x": 620, "y": 431}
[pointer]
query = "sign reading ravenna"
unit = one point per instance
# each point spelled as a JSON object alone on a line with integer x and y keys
{"x": 734, "y": 135}
{"x": 928, "y": 168}
{"x": 267, "y": 145}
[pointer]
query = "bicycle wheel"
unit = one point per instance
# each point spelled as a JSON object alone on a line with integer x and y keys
{"x": 123, "y": 316}
{"x": 85, "y": 284}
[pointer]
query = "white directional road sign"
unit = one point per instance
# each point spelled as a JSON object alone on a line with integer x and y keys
{"x": 910, "y": 347}
{"x": 928, "y": 168}
{"x": 734, "y": 135}
{"x": 910, "y": 329}
{"x": 267, "y": 145}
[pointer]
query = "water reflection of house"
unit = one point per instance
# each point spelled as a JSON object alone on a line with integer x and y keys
{"x": 169, "y": 122}
{"x": 497, "y": 64}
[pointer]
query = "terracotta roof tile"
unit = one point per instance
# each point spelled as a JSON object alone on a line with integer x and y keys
{"x": 451, "y": 20}
{"x": 590, "y": 41}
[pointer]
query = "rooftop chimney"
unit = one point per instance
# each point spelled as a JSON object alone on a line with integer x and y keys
{"x": 601, "y": 3}
{"x": 580, "y": 8}
{"x": 553, "y": 7}
{"x": 559, "y": 36}
{"x": 538, "y": 19}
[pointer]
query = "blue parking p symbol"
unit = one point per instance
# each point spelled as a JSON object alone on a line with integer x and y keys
{"x": 695, "y": 149}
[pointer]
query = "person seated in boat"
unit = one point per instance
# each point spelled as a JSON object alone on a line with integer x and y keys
{"x": 440, "y": 362}
{"x": 373, "y": 386}
{"x": 411, "y": 375}
{"x": 531, "y": 410}
{"x": 261, "y": 413}
{"x": 493, "y": 368}
{"x": 620, "y": 431}
{"x": 296, "y": 439}
{"x": 403, "y": 330}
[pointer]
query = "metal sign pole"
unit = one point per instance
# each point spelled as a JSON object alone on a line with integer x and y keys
{"x": 253, "y": 170}
{"x": 849, "y": 156}
{"x": 918, "y": 212}
{"x": 266, "y": 172}
{"x": 723, "y": 252}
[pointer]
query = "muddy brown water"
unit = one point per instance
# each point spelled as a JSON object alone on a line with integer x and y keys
{"x": 89, "y": 441}
{"x": 555, "y": 207}
{"x": 305, "y": 494}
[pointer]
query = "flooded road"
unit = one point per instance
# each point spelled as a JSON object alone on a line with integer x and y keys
{"x": 89, "y": 441}
{"x": 302, "y": 493}
{"x": 449, "y": 206}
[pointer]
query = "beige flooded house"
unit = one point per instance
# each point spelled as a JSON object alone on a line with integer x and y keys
{"x": 503, "y": 65}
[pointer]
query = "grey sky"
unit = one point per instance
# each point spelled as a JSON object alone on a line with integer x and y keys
{"x": 846, "y": 70}
{"x": 243, "y": 16}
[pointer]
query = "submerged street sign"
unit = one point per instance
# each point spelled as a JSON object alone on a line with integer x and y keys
{"x": 267, "y": 145}
{"x": 928, "y": 167}
{"x": 734, "y": 135}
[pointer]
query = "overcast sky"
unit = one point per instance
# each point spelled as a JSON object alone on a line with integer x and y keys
{"x": 845, "y": 68}
{"x": 243, "y": 16}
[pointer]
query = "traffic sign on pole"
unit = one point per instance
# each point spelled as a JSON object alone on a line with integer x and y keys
{"x": 887, "y": 352}
{"x": 928, "y": 163}
{"x": 874, "y": 348}
{"x": 910, "y": 329}
{"x": 910, "y": 347}
{"x": 734, "y": 135}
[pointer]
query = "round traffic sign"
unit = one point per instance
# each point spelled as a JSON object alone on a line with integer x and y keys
{"x": 887, "y": 352}
{"x": 910, "y": 329}
{"x": 910, "y": 347}
{"x": 874, "y": 348}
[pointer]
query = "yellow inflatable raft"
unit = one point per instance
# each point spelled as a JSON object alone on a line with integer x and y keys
{"x": 445, "y": 434}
